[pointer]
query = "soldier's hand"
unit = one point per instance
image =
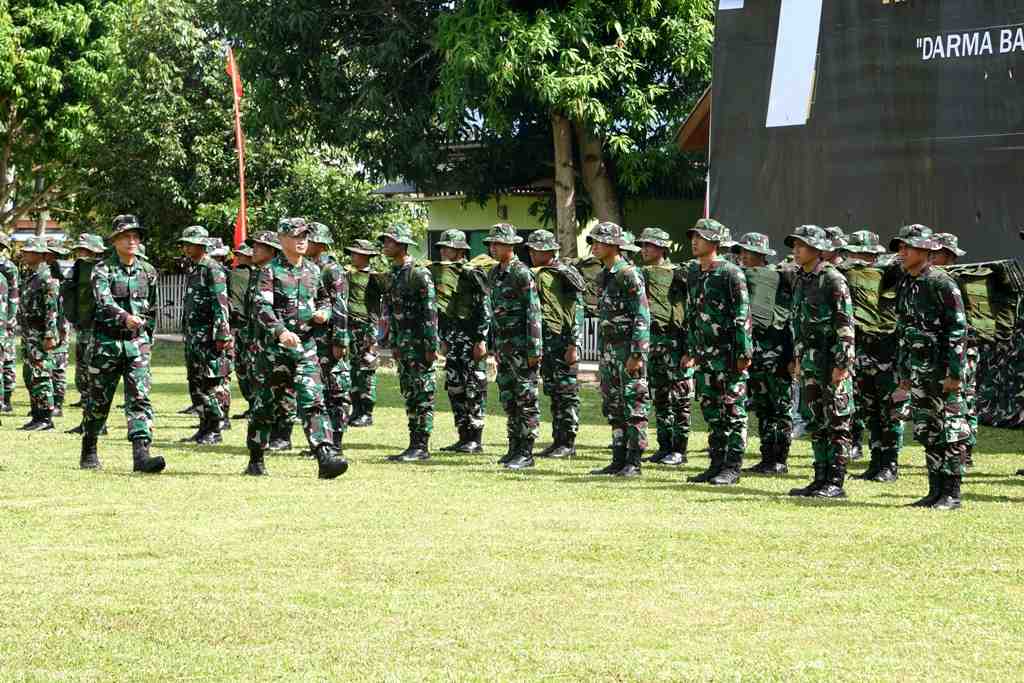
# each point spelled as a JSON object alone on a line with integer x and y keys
{"x": 839, "y": 375}
{"x": 289, "y": 339}
{"x": 794, "y": 369}
{"x": 572, "y": 355}
{"x": 339, "y": 351}
{"x": 742, "y": 364}
{"x": 134, "y": 322}
{"x": 633, "y": 364}
{"x": 686, "y": 362}
{"x": 479, "y": 351}
{"x": 320, "y": 317}
{"x": 533, "y": 361}
{"x": 49, "y": 344}
{"x": 950, "y": 385}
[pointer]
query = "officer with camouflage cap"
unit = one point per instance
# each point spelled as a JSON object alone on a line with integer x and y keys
{"x": 57, "y": 251}
{"x": 560, "y": 288}
{"x": 463, "y": 327}
{"x": 365, "y": 290}
{"x": 624, "y": 337}
{"x": 671, "y": 384}
{"x": 80, "y": 309}
{"x": 9, "y": 319}
{"x": 413, "y": 337}
{"x": 718, "y": 340}
{"x": 39, "y": 318}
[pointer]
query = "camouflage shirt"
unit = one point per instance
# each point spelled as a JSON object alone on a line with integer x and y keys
{"x": 515, "y": 310}
{"x": 823, "y": 326}
{"x": 5, "y": 330}
{"x": 932, "y": 329}
{"x": 288, "y": 298}
{"x": 121, "y": 291}
{"x": 207, "y": 312}
{"x": 39, "y": 314}
{"x": 623, "y": 313}
{"x": 718, "y": 329}
{"x": 412, "y": 310}
{"x": 335, "y": 284}
{"x": 9, "y": 271}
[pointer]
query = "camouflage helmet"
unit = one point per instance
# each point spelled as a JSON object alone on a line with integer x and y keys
{"x": 90, "y": 242}
{"x": 711, "y": 230}
{"x": 917, "y": 236}
{"x": 755, "y": 242}
{"x": 503, "y": 233}
{"x": 320, "y": 233}
{"x": 217, "y": 247}
{"x": 243, "y": 250}
{"x": 126, "y": 223}
{"x": 542, "y": 240}
{"x": 36, "y": 245}
{"x": 399, "y": 232}
{"x": 812, "y": 235}
{"x": 292, "y": 227}
{"x": 57, "y": 247}
{"x": 606, "y": 233}
{"x": 453, "y": 239}
{"x": 863, "y": 242}
{"x": 267, "y": 238}
{"x": 365, "y": 247}
{"x": 655, "y": 236}
{"x": 629, "y": 242}
{"x": 949, "y": 242}
{"x": 197, "y": 235}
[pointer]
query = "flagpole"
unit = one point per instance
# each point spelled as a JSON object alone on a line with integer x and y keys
{"x": 242, "y": 220}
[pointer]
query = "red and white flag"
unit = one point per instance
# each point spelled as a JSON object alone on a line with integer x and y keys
{"x": 242, "y": 220}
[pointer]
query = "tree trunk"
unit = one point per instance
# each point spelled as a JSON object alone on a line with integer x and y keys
{"x": 43, "y": 217}
{"x": 596, "y": 177}
{"x": 565, "y": 185}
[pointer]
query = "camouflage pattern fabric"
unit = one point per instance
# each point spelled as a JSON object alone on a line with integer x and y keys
{"x": 284, "y": 413}
{"x": 671, "y": 384}
{"x": 79, "y": 301}
{"x": 39, "y": 317}
{"x": 364, "y": 293}
{"x": 770, "y": 385}
{"x": 335, "y": 372}
{"x": 59, "y": 355}
{"x": 238, "y": 284}
{"x": 9, "y": 315}
{"x": 881, "y": 408}
{"x": 206, "y": 321}
{"x": 624, "y": 330}
{"x": 465, "y": 379}
{"x": 560, "y": 378}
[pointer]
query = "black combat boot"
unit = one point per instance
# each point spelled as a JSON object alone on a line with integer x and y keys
{"x": 199, "y": 433}
{"x": 949, "y": 492}
{"x": 678, "y": 454}
{"x": 454, "y": 448}
{"x": 779, "y": 458}
{"x": 617, "y": 463}
{"x": 729, "y": 474}
{"x": 209, "y": 432}
{"x": 565, "y": 445}
{"x": 241, "y": 416}
{"x": 75, "y": 430}
{"x": 281, "y": 438}
{"x": 834, "y": 480}
{"x": 191, "y": 410}
{"x": 473, "y": 442}
{"x": 89, "y": 460}
{"x": 40, "y": 422}
{"x": 767, "y": 451}
{"x": 256, "y": 467}
{"x": 142, "y": 461}
{"x": 329, "y": 463}
{"x": 1020, "y": 473}
{"x": 934, "y": 491}
{"x": 874, "y": 467}
{"x": 631, "y": 467}
{"x": 364, "y": 418}
{"x": 417, "y": 448}
{"x": 400, "y": 457}
{"x": 7, "y": 407}
{"x": 820, "y": 473}
{"x": 511, "y": 453}
{"x": 555, "y": 438}
{"x": 76, "y": 404}
{"x": 714, "y": 467}
{"x": 889, "y": 469}
{"x": 664, "y": 449}
{"x": 524, "y": 456}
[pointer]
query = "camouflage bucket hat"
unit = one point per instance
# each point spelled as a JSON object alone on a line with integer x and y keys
{"x": 399, "y": 232}
{"x": 266, "y": 237}
{"x": 755, "y": 242}
{"x": 542, "y": 240}
{"x": 606, "y": 233}
{"x": 90, "y": 242}
{"x": 863, "y": 242}
{"x": 503, "y": 233}
{"x": 57, "y": 247}
{"x": 711, "y": 230}
{"x": 917, "y": 236}
{"x": 320, "y": 233}
{"x": 362, "y": 247}
{"x": 125, "y": 223}
{"x": 655, "y": 236}
{"x": 949, "y": 242}
{"x": 36, "y": 245}
{"x": 629, "y": 242}
{"x": 811, "y": 235}
{"x": 197, "y": 235}
{"x": 292, "y": 227}
{"x": 453, "y": 239}
{"x": 217, "y": 247}
{"x": 243, "y": 250}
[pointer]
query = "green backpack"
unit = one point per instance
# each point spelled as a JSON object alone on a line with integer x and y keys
{"x": 457, "y": 286}
{"x": 763, "y": 285}
{"x": 873, "y": 291}
{"x": 591, "y": 269}
{"x": 989, "y": 298}
{"x": 364, "y": 294}
{"x": 666, "y": 295}
{"x": 558, "y": 287}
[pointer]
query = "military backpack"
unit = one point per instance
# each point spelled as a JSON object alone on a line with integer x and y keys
{"x": 558, "y": 287}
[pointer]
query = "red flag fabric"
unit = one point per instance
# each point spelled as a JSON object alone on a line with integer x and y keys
{"x": 242, "y": 220}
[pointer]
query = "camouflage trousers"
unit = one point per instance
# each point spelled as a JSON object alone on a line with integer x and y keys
{"x": 880, "y": 410}
{"x": 418, "y": 383}
{"x": 465, "y": 380}
{"x": 770, "y": 388}
{"x": 37, "y": 364}
{"x": 364, "y": 359}
{"x": 337, "y": 387}
{"x": 562, "y": 387}
{"x": 9, "y": 364}
{"x": 970, "y": 389}
{"x": 518, "y": 392}
{"x": 277, "y": 374}
{"x": 242, "y": 365}
{"x": 723, "y": 402}
{"x": 83, "y": 338}
{"x": 672, "y": 388}
{"x": 625, "y": 397}
{"x": 109, "y": 363}
{"x": 60, "y": 375}
{"x": 208, "y": 374}
{"x": 828, "y": 410}
{"x": 940, "y": 420}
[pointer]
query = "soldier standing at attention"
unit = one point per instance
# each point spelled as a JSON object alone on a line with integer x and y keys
{"x": 59, "y": 354}
{"x": 207, "y": 327}
{"x": 238, "y": 283}
{"x": 364, "y": 295}
{"x": 412, "y": 333}
{"x": 624, "y": 335}
{"x": 80, "y": 308}
{"x": 464, "y": 331}
{"x": 932, "y": 334}
{"x": 671, "y": 383}
{"x": 823, "y": 330}
{"x": 124, "y": 288}
{"x": 560, "y": 288}
{"x": 290, "y": 301}
{"x": 9, "y": 315}
{"x": 39, "y": 316}
{"x": 718, "y": 339}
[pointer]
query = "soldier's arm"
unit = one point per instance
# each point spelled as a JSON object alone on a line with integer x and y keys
{"x": 742, "y": 323}
{"x": 902, "y": 355}
{"x": 534, "y": 332}
{"x": 578, "y": 321}
{"x": 843, "y": 351}
{"x": 266, "y": 317}
{"x": 13, "y": 294}
{"x": 106, "y": 307}
{"x": 955, "y": 325}
{"x": 339, "y": 308}
{"x": 640, "y": 341}
{"x": 51, "y": 310}
{"x": 687, "y": 336}
{"x": 221, "y": 304}
{"x": 425, "y": 287}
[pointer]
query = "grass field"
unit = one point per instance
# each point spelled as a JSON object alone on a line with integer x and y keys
{"x": 454, "y": 570}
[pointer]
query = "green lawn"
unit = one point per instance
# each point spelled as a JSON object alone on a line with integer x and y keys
{"x": 455, "y": 570}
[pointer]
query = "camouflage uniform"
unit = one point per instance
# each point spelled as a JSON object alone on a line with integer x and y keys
{"x": 59, "y": 354}
{"x": 718, "y": 333}
{"x": 80, "y": 309}
{"x": 365, "y": 290}
{"x": 238, "y": 284}
{"x": 823, "y": 329}
{"x": 516, "y": 339}
{"x": 333, "y": 334}
{"x": 5, "y": 330}
{"x": 9, "y": 316}
{"x": 39, "y": 317}
{"x": 932, "y": 334}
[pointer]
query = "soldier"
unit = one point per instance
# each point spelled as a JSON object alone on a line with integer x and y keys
{"x": 517, "y": 343}
{"x": 59, "y": 354}
{"x": 932, "y": 333}
{"x": 124, "y": 289}
{"x": 39, "y": 317}
{"x": 364, "y": 295}
{"x": 837, "y": 241}
{"x": 9, "y": 316}
{"x": 207, "y": 328}
{"x": 290, "y": 302}
{"x": 629, "y": 249}
{"x": 823, "y": 331}
{"x": 770, "y": 385}
{"x": 718, "y": 339}
{"x": 80, "y": 308}
{"x": 560, "y": 289}
{"x": 5, "y": 329}
{"x": 413, "y": 337}
{"x": 238, "y": 284}
{"x": 333, "y": 334}
{"x": 464, "y": 327}
{"x": 671, "y": 383}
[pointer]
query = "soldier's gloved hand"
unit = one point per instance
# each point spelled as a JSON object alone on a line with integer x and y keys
{"x": 320, "y": 317}
{"x": 479, "y": 351}
{"x": 572, "y": 355}
{"x": 49, "y": 344}
{"x": 742, "y": 364}
{"x": 951, "y": 385}
{"x": 339, "y": 351}
{"x": 839, "y": 375}
{"x": 633, "y": 364}
{"x": 289, "y": 339}
{"x": 133, "y": 322}
{"x": 533, "y": 361}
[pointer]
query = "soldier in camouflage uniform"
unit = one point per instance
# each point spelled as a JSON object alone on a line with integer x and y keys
{"x": 333, "y": 334}
{"x": 207, "y": 332}
{"x": 671, "y": 384}
{"x": 624, "y": 337}
{"x": 560, "y": 288}
{"x": 238, "y": 283}
{"x": 464, "y": 331}
{"x": 80, "y": 309}
{"x": 124, "y": 289}
{"x": 5, "y": 330}
{"x": 770, "y": 385}
{"x": 364, "y": 291}
{"x": 290, "y": 303}
{"x": 823, "y": 329}
{"x": 517, "y": 343}
{"x": 39, "y": 317}
{"x": 59, "y": 354}
{"x": 932, "y": 335}
{"x": 836, "y": 242}
{"x": 9, "y": 316}
{"x": 413, "y": 337}
{"x": 718, "y": 338}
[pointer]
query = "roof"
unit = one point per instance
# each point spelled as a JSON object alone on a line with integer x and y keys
{"x": 695, "y": 133}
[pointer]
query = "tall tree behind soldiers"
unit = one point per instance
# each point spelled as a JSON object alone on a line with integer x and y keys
{"x": 239, "y": 278}
{"x": 80, "y": 309}
{"x": 39, "y": 317}
{"x": 365, "y": 289}
{"x": 9, "y": 316}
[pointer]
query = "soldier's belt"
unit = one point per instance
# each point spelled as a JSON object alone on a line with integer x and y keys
{"x": 119, "y": 333}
